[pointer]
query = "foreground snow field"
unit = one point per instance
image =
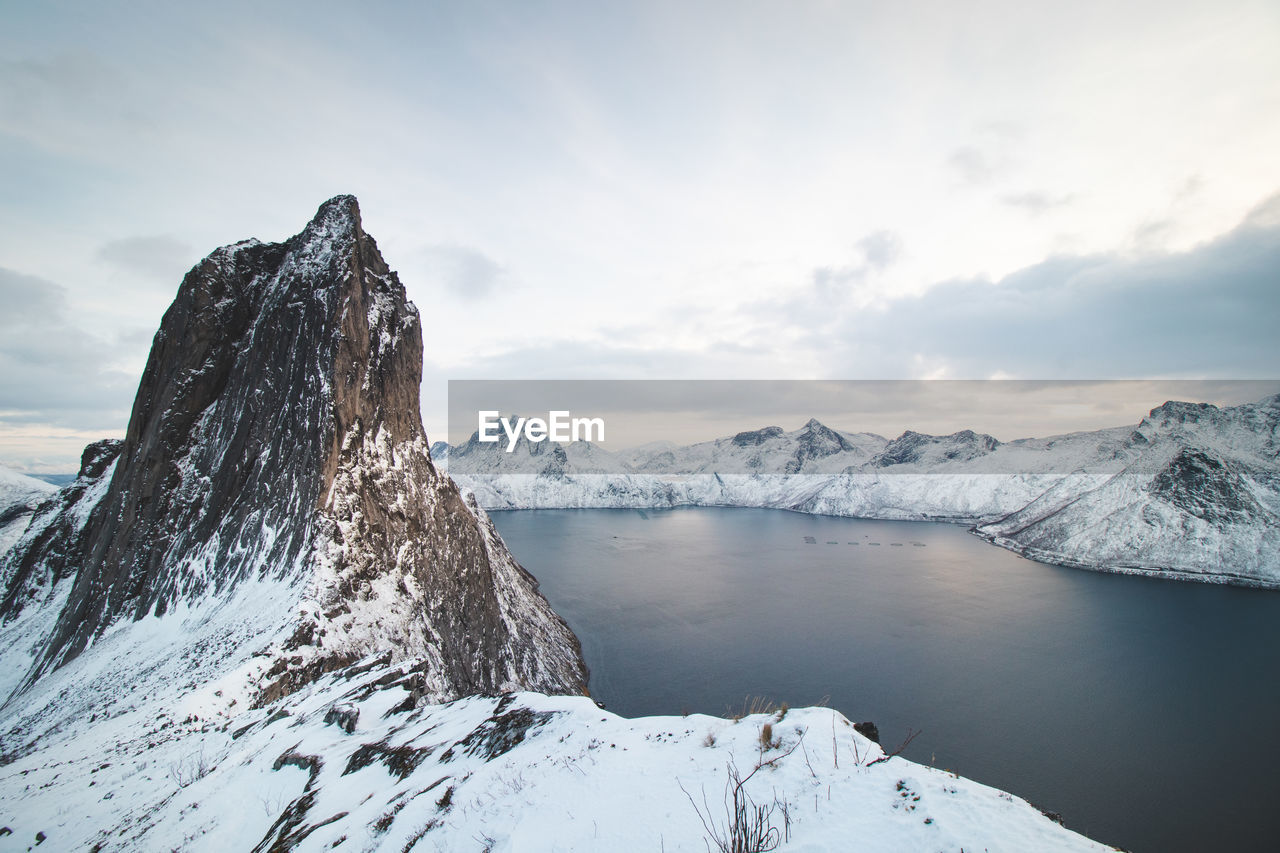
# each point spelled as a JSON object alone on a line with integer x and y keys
{"x": 351, "y": 764}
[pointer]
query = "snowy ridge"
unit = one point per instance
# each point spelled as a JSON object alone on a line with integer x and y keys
{"x": 38, "y": 602}
{"x": 353, "y": 762}
{"x": 20, "y": 497}
{"x": 1191, "y": 492}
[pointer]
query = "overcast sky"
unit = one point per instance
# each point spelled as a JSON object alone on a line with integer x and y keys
{"x": 654, "y": 190}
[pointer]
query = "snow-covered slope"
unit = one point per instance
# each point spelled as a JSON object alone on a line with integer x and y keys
{"x": 20, "y": 496}
{"x": 355, "y": 762}
{"x": 1192, "y": 491}
{"x": 1200, "y": 500}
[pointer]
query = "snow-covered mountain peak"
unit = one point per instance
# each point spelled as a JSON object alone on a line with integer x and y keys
{"x": 913, "y": 448}
{"x": 276, "y": 443}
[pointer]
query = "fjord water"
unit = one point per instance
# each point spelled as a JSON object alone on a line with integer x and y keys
{"x": 1144, "y": 711}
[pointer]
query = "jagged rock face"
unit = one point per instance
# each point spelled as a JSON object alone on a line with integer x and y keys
{"x": 912, "y": 447}
{"x": 97, "y": 456}
{"x": 1205, "y": 487}
{"x": 53, "y": 545}
{"x": 1176, "y": 411}
{"x": 557, "y": 464}
{"x": 276, "y": 437}
{"x": 753, "y": 438}
{"x": 816, "y": 441}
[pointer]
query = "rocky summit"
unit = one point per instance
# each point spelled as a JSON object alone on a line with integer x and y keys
{"x": 275, "y": 457}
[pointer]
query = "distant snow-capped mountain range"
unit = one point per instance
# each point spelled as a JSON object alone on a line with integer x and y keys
{"x": 1192, "y": 491}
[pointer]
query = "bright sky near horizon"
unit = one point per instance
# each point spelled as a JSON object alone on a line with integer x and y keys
{"x": 654, "y": 189}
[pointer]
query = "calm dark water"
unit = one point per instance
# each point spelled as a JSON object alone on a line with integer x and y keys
{"x": 1146, "y": 712}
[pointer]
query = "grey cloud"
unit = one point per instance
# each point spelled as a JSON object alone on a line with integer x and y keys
{"x": 72, "y": 101}
{"x": 974, "y": 166}
{"x": 582, "y": 360}
{"x": 1036, "y": 202}
{"x": 27, "y": 298}
{"x": 1209, "y": 311}
{"x": 879, "y": 250}
{"x": 1152, "y": 234}
{"x": 52, "y": 369}
{"x": 1266, "y": 214}
{"x": 1190, "y": 188}
{"x": 157, "y": 257}
{"x": 31, "y": 86}
{"x": 1001, "y": 129}
{"x": 467, "y": 273}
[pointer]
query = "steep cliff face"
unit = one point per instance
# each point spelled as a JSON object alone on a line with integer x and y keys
{"x": 276, "y": 442}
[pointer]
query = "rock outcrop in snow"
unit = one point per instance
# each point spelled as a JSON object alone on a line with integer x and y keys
{"x": 275, "y": 452}
{"x": 1191, "y": 492}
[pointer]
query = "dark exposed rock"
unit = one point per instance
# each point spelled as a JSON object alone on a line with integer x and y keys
{"x": 1056, "y": 817}
{"x": 343, "y": 716}
{"x": 97, "y": 456}
{"x": 502, "y": 732}
{"x": 558, "y": 464}
{"x": 1206, "y": 488}
{"x": 54, "y": 546}
{"x": 917, "y": 447}
{"x": 400, "y": 760}
{"x": 310, "y": 763}
{"x": 18, "y": 510}
{"x": 751, "y": 438}
{"x": 868, "y": 730}
{"x": 1177, "y": 411}
{"x": 276, "y": 438}
{"x": 816, "y": 441}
